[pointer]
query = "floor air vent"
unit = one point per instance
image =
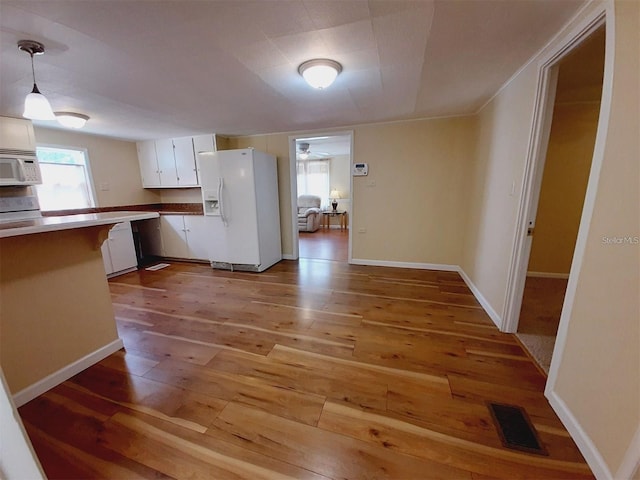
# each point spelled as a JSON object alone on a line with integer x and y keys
{"x": 515, "y": 428}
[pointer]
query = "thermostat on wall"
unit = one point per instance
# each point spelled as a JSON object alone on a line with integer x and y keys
{"x": 360, "y": 169}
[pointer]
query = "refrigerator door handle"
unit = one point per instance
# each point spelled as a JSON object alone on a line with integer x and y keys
{"x": 221, "y": 202}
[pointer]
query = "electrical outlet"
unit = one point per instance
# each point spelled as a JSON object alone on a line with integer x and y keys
{"x": 362, "y": 230}
{"x": 371, "y": 183}
{"x": 104, "y": 186}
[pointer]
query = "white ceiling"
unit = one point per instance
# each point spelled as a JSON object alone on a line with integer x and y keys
{"x": 150, "y": 69}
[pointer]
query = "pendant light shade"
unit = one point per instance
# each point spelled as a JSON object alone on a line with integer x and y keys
{"x": 320, "y": 72}
{"x": 36, "y": 105}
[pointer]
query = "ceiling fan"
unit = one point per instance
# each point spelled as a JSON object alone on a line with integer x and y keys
{"x": 304, "y": 152}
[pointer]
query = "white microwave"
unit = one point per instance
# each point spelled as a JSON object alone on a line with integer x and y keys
{"x": 19, "y": 167}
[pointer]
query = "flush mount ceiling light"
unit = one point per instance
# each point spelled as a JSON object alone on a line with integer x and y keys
{"x": 71, "y": 119}
{"x": 320, "y": 72}
{"x": 36, "y": 105}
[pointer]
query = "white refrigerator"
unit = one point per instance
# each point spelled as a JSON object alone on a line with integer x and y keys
{"x": 240, "y": 192}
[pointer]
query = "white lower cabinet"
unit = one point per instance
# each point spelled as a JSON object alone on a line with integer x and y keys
{"x": 118, "y": 250}
{"x": 186, "y": 236}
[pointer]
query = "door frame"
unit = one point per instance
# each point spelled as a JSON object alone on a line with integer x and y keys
{"x": 534, "y": 167}
{"x": 293, "y": 177}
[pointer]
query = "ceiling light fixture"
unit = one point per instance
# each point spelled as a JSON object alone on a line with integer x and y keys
{"x": 320, "y": 72}
{"x": 36, "y": 105}
{"x": 71, "y": 119}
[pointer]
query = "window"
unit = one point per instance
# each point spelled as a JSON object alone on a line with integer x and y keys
{"x": 66, "y": 180}
{"x": 313, "y": 179}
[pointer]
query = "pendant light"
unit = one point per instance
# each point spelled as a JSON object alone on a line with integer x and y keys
{"x": 36, "y": 105}
{"x": 320, "y": 72}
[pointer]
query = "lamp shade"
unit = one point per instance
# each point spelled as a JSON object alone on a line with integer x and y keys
{"x": 71, "y": 119}
{"x": 334, "y": 194}
{"x": 320, "y": 72}
{"x": 37, "y": 107}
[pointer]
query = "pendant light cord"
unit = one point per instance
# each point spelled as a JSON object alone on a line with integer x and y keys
{"x": 33, "y": 70}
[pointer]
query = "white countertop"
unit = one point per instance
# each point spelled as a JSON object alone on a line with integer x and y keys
{"x": 68, "y": 222}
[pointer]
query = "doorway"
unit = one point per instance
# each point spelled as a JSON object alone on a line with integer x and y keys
{"x": 322, "y": 205}
{"x": 563, "y": 186}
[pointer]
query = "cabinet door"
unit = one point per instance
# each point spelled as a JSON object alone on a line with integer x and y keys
{"x": 106, "y": 257}
{"x": 199, "y": 236}
{"x": 174, "y": 240}
{"x": 203, "y": 143}
{"x": 166, "y": 163}
{"x": 121, "y": 248}
{"x": 185, "y": 162}
{"x": 148, "y": 164}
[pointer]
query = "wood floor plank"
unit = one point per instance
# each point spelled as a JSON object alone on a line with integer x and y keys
{"x": 259, "y": 393}
{"x": 331, "y": 454}
{"x": 348, "y": 386}
{"x": 425, "y": 443}
{"x": 314, "y": 369}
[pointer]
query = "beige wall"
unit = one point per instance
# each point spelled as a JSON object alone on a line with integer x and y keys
{"x": 340, "y": 174}
{"x": 496, "y": 183}
{"x": 179, "y": 195}
{"x": 413, "y": 211}
{"x": 599, "y": 370}
{"x": 599, "y": 376}
{"x": 114, "y": 162}
{"x": 564, "y": 183}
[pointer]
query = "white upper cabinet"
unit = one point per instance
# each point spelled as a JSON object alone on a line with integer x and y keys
{"x": 148, "y": 164}
{"x": 185, "y": 161}
{"x": 17, "y": 134}
{"x": 166, "y": 163}
{"x": 171, "y": 162}
{"x": 203, "y": 143}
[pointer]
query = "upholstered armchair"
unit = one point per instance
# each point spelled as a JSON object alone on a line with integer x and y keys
{"x": 309, "y": 213}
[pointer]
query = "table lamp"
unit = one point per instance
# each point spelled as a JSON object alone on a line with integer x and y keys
{"x": 335, "y": 194}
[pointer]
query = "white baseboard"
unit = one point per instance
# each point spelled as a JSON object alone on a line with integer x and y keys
{"x": 287, "y": 256}
{"x": 630, "y": 466}
{"x": 419, "y": 266}
{"x": 548, "y": 275}
{"x": 583, "y": 441}
{"x": 56, "y": 378}
{"x": 497, "y": 319}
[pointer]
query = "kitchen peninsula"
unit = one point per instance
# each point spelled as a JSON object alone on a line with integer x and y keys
{"x": 56, "y": 316}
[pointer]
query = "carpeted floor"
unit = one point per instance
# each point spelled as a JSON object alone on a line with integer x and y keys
{"x": 540, "y": 315}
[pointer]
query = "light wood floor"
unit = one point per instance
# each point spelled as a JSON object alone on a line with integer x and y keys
{"x": 313, "y": 369}
{"x": 325, "y": 243}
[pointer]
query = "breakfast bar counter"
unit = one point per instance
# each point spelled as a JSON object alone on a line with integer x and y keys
{"x": 56, "y": 316}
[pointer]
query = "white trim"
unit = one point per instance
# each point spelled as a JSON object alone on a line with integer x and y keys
{"x": 548, "y": 275}
{"x": 606, "y": 10}
{"x": 493, "y": 315}
{"x": 56, "y": 378}
{"x": 417, "y": 266}
{"x": 536, "y": 153}
{"x": 583, "y": 441}
{"x": 286, "y": 256}
{"x": 631, "y": 462}
{"x": 293, "y": 182}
